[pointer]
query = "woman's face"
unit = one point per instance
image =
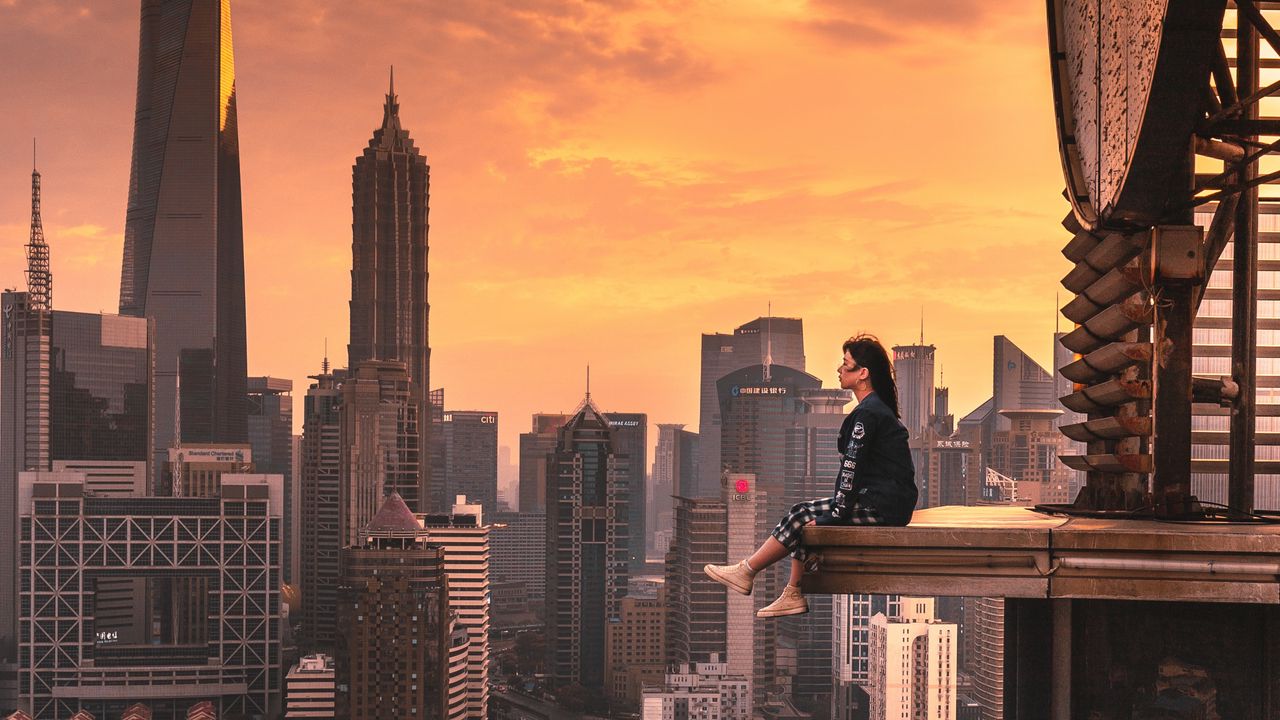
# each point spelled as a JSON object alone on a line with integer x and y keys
{"x": 851, "y": 374}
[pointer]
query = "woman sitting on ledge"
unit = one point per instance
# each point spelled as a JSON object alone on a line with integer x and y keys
{"x": 876, "y": 484}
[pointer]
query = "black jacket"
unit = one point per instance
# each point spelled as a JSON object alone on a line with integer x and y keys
{"x": 876, "y": 470}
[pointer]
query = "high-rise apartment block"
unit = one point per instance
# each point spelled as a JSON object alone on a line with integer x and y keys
{"x": 394, "y": 624}
{"x": 270, "y": 424}
{"x": 851, "y": 650}
{"x": 309, "y": 689}
{"x": 183, "y": 263}
{"x": 587, "y": 546}
{"x": 913, "y": 664}
{"x": 231, "y": 540}
{"x": 766, "y": 340}
{"x": 470, "y": 447}
{"x": 391, "y": 185}
{"x": 465, "y": 540}
{"x": 699, "y": 691}
{"x": 320, "y": 536}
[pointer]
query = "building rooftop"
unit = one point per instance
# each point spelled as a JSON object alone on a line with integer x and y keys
{"x": 394, "y": 517}
{"x": 1016, "y": 552}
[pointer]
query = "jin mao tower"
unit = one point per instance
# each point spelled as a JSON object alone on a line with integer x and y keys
{"x": 389, "y": 312}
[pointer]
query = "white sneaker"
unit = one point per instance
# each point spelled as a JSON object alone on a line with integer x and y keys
{"x": 790, "y": 602}
{"x": 737, "y": 577}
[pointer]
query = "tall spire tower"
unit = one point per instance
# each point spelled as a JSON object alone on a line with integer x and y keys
{"x": 39, "y": 279}
{"x": 389, "y": 311}
{"x": 184, "y": 241}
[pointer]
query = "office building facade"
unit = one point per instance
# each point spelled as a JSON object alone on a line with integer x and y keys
{"x": 183, "y": 263}
{"x": 75, "y": 388}
{"x": 470, "y": 447}
{"x": 518, "y": 552}
{"x": 535, "y": 446}
{"x": 696, "y": 603}
{"x": 232, "y": 541}
{"x": 675, "y": 472}
{"x": 321, "y": 461}
{"x": 269, "y": 412}
{"x": 587, "y": 546}
{"x": 778, "y": 340}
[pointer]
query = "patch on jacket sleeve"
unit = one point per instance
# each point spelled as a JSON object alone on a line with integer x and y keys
{"x": 858, "y": 431}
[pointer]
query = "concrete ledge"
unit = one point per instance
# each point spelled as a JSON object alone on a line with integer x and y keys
{"x": 1015, "y": 552}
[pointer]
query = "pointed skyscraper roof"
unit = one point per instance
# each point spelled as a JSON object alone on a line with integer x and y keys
{"x": 394, "y": 517}
{"x": 391, "y": 136}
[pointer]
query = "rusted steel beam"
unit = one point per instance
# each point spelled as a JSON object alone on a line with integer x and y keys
{"x": 1251, "y": 13}
{"x": 1106, "y": 361}
{"x": 1108, "y": 428}
{"x": 1098, "y": 398}
{"x": 1244, "y": 301}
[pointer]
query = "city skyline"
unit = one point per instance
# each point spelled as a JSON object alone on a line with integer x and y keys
{"x": 596, "y": 141}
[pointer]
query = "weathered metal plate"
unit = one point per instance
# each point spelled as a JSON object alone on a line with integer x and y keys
{"x": 1128, "y": 79}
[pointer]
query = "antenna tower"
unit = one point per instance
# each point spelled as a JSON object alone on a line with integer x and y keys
{"x": 39, "y": 278}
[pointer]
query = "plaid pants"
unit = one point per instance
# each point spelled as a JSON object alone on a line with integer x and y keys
{"x": 787, "y": 531}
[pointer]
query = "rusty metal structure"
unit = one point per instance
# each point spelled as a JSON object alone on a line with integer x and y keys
{"x": 1159, "y": 112}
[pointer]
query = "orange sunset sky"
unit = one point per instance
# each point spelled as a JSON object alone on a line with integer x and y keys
{"x": 609, "y": 179}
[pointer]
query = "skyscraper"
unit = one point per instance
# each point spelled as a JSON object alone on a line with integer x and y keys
{"x": 675, "y": 472}
{"x": 813, "y": 462}
{"x": 851, "y": 650}
{"x": 778, "y": 340}
{"x": 238, "y": 666}
{"x": 535, "y": 445}
{"x": 760, "y": 408}
{"x": 587, "y": 546}
{"x": 270, "y": 424}
{"x": 76, "y": 387}
{"x": 1018, "y": 382}
{"x": 913, "y": 368}
{"x": 630, "y": 438}
{"x": 696, "y": 603}
{"x": 378, "y": 443}
{"x": 390, "y": 184}
{"x": 394, "y": 623}
{"x": 183, "y": 240}
{"x": 321, "y": 474}
{"x": 470, "y": 440}
{"x": 464, "y": 538}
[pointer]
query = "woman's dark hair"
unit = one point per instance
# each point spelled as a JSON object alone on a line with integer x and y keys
{"x": 867, "y": 351}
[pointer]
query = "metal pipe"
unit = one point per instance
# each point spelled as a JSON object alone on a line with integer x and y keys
{"x": 1244, "y": 296}
{"x": 1189, "y": 567}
